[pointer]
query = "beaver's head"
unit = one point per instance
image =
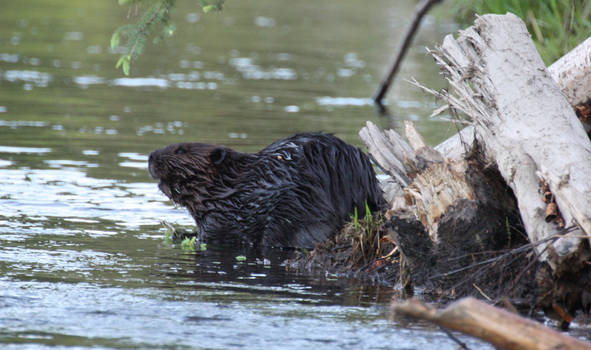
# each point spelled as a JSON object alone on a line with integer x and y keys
{"x": 185, "y": 169}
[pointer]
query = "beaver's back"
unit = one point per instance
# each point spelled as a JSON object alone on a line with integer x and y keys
{"x": 296, "y": 192}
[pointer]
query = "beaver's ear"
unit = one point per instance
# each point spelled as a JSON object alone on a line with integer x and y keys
{"x": 217, "y": 155}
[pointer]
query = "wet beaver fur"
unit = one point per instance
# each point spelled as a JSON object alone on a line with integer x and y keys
{"x": 296, "y": 192}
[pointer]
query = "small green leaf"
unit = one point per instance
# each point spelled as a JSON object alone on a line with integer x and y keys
{"x": 125, "y": 67}
{"x": 188, "y": 243}
{"x": 120, "y": 61}
{"x": 209, "y": 8}
{"x": 124, "y": 62}
{"x": 115, "y": 40}
{"x": 203, "y": 247}
{"x": 240, "y": 258}
{"x": 123, "y": 2}
{"x": 170, "y": 29}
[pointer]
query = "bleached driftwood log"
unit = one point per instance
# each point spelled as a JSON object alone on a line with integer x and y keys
{"x": 504, "y": 329}
{"x": 443, "y": 213}
{"x": 572, "y": 73}
{"x": 525, "y": 123}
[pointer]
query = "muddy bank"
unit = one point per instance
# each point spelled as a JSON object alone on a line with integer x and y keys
{"x": 479, "y": 249}
{"x": 491, "y": 260}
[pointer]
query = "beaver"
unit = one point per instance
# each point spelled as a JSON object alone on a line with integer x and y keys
{"x": 296, "y": 192}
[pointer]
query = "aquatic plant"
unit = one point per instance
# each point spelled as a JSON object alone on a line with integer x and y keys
{"x": 169, "y": 233}
{"x": 188, "y": 244}
{"x": 556, "y": 26}
{"x": 187, "y": 239}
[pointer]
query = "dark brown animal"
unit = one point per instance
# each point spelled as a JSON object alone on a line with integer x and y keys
{"x": 296, "y": 192}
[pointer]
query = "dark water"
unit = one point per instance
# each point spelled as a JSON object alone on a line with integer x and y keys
{"x": 83, "y": 259}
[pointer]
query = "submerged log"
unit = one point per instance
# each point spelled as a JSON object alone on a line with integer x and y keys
{"x": 505, "y": 330}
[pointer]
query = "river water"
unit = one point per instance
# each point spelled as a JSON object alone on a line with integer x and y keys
{"x": 84, "y": 262}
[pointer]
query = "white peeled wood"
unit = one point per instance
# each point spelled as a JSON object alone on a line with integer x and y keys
{"x": 525, "y": 122}
{"x": 572, "y": 72}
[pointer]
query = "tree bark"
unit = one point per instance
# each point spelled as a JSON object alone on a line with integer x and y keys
{"x": 525, "y": 123}
{"x": 572, "y": 73}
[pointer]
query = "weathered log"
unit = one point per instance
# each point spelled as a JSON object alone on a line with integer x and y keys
{"x": 526, "y": 125}
{"x": 503, "y": 329}
{"x": 530, "y": 133}
{"x": 572, "y": 73}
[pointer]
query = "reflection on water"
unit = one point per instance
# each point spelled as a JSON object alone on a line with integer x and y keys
{"x": 83, "y": 258}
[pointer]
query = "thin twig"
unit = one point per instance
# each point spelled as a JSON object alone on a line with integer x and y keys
{"x": 461, "y": 344}
{"x": 518, "y": 250}
{"x": 481, "y": 292}
{"x": 421, "y": 10}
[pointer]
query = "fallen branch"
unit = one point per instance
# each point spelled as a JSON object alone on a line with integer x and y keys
{"x": 503, "y": 329}
{"x": 422, "y": 9}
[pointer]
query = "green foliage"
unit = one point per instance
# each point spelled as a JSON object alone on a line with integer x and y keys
{"x": 240, "y": 258}
{"x": 124, "y": 62}
{"x": 366, "y": 232}
{"x": 369, "y": 221}
{"x": 212, "y": 6}
{"x": 189, "y": 244}
{"x": 556, "y": 26}
{"x": 170, "y": 232}
{"x": 369, "y": 227}
{"x": 154, "y": 22}
{"x": 188, "y": 241}
{"x": 356, "y": 224}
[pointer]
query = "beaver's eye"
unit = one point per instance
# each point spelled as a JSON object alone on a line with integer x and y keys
{"x": 180, "y": 151}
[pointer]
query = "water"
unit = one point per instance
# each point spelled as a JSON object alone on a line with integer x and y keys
{"x": 83, "y": 259}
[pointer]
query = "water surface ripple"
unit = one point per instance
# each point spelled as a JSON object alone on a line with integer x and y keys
{"x": 83, "y": 258}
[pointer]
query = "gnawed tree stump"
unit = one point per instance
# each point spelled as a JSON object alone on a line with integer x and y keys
{"x": 449, "y": 216}
{"x": 450, "y": 211}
